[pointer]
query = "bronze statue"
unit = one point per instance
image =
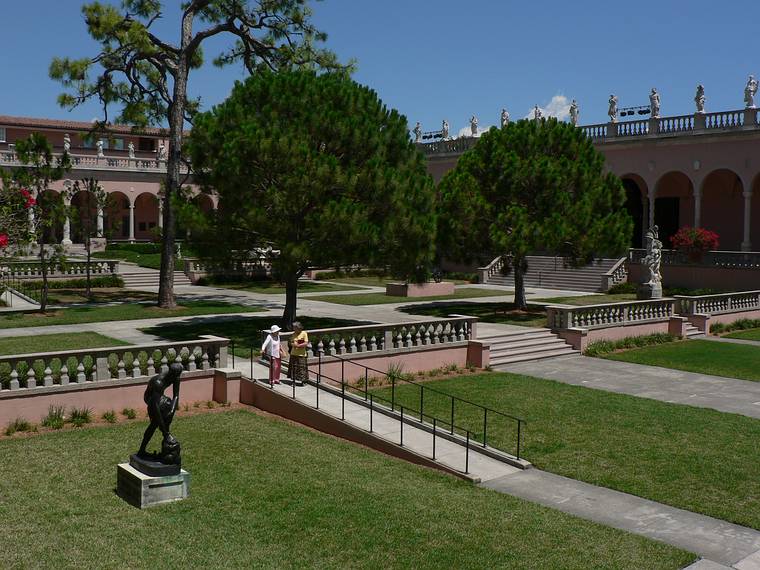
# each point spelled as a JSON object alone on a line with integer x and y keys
{"x": 161, "y": 411}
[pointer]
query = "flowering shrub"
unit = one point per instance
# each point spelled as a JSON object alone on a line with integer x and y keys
{"x": 694, "y": 240}
{"x": 14, "y": 217}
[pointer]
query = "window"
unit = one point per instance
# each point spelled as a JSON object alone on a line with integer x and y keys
{"x": 2, "y": 134}
{"x": 146, "y": 145}
{"x": 118, "y": 144}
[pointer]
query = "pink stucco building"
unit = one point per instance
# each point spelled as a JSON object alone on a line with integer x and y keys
{"x": 128, "y": 164}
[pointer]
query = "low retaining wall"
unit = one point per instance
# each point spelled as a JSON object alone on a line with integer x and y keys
{"x": 580, "y": 338}
{"x": 419, "y": 289}
{"x": 699, "y": 276}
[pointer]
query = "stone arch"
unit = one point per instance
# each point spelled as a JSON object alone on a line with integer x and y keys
{"x": 636, "y": 192}
{"x": 51, "y": 211}
{"x": 204, "y": 202}
{"x": 754, "y": 220}
{"x": 116, "y": 216}
{"x": 673, "y": 204}
{"x": 84, "y": 212}
{"x": 723, "y": 207}
{"x": 146, "y": 216}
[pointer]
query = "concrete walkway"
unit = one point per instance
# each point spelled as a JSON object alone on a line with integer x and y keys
{"x": 728, "y": 545}
{"x": 664, "y": 384}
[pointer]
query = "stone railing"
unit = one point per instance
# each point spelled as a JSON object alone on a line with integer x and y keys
{"x": 95, "y": 162}
{"x": 725, "y": 119}
{"x": 485, "y": 273}
{"x": 724, "y": 259}
{"x": 677, "y": 124}
{"x": 29, "y": 371}
{"x": 610, "y": 314}
{"x": 33, "y": 270}
{"x": 617, "y": 274}
{"x": 719, "y": 304}
{"x": 596, "y": 131}
{"x": 457, "y": 145}
{"x": 633, "y": 128}
{"x": 388, "y": 337}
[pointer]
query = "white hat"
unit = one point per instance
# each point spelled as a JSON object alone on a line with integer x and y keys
{"x": 275, "y": 329}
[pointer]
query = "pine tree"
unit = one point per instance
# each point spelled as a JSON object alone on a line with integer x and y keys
{"x": 317, "y": 168}
{"x": 532, "y": 186}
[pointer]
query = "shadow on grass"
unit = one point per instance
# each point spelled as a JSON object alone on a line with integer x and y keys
{"x": 503, "y": 313}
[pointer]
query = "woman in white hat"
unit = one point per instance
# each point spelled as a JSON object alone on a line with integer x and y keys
{"x": 272, "y": 350}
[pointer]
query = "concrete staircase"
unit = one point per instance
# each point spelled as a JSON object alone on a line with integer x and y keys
{"x": 143, "y": 279}
{"x": 550, "y": 273}
{"x": 693, "y": 332}
{"x": 531, "y": 344}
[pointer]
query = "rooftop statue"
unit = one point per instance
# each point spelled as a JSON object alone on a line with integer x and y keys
{"x": 161, "y": 155}
{"x": 417, "y": 130}
{"x": 612, "y": 111}
{"x": 445, "y": 130}
{"x": 749, "y": 92}
{"x": 131, "y": 149}
{"x": 99, "y": 147}
{"x": 654, "y": 103}
{"x": 504, "y": 118}
{"x": 574, "y": 113}
{"x": 537, "y": 114}
{"x": 474, "y": 126}
{"x": 66, "y": 143}
{"x": 699, "y": 99}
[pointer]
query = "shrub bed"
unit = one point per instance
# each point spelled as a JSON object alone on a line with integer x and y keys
{"x": 601, "y": 347}
{"x": 740, "y": 325}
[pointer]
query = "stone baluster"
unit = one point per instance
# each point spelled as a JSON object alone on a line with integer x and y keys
{"x": 14, "y": 383}
{"x": 64, "y": 373}
{"x": 164, "y": 363}
{"x": 31, "y": 376}
{"x": 80, "y": 371}
{"x": 152, "y": 365}
{"x": 121, "y": 371}
{"x": 191, "y": 360}
{"x": 47, "y": 379}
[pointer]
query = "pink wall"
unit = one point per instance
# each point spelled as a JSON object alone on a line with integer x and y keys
{"x": 581, "y": 338}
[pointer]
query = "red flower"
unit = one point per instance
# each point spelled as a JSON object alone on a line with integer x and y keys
{"x": 695, "y": 240}
{"x": 3, "y": 240}
{"x": 29, "y": 200}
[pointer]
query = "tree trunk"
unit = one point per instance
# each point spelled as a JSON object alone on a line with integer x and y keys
{"x": 291, "y": 300}
{"x": 172, "y": 186}
{"x": 43, "y": 268}
{"x": 88, "y": 247}
{"x": 519, "y": 269}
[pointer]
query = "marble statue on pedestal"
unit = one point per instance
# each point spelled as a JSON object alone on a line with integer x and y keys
{"x": 652, "y": 288}
{"x": 99, "y": 146}
{"x": 417, "y": 130}
{"x": 504, "y": 118}
{"x": 574, "y": 113}
{"x": 161, "y": 151}
{"x": 474, "y": 126}
{"x": 654, "y": 103}
{"x": 66, "y": 143}
{"x": 537, "y": 114}
{"x": 612, "y": 111}
{"x": 749, "y": 92}
{"x": 699, "y": 99}
{"x": 445, "y": 130}
{"x": 131, "y": 149}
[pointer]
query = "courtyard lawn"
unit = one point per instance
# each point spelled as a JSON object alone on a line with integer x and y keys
{"x": 148, "y": 260}
{"x": 382, "y": 298}
{"x": 702, "y": 356}
{"x": 750, "y": 334}
{"x": 534, "y": 316}
{"x": 245, "y": 332}
{"x": 122, "y": 312}
{"x": 56, "y": 342}
{"x": 269, "y": 494}
{"x": 100, "y": 295}
{"x": 276, "y": 288}
{"x": 586, "y": 299}
{"x": 371, "y": 281}
{"x": 696, "y": 459}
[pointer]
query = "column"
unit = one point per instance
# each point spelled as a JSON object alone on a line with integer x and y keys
{"x": 644, "y": 218}
{"x": 697, "y": 206}
{"x": 131, "y": 222}
{"x": 160, "y": 213}
{"x": 99, "y": 227}
{"x": 651, "y": 207}
{"x": 746, "y": 244}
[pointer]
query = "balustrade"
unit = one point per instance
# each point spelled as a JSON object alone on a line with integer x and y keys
{"x": 595, "y": 131}
{"x": 33, "y": 270}
{"x": 679, "y": 124}
{"x": 720, "y": 303}
{"x": 387, "y": 337}
{"x": 92, "y": 161}
{"x": 610, "y": 314}
{"x": 28, "y": 371}
{"x": 633, "y": 128}
{"x": 724, "y": 259}
{"x": 724, "y": 119}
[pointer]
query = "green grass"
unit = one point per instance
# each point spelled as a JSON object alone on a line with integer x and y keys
{"x": 702, "y": 356}
{"x": 752, "y": 334}
{"x": 372, "y": 281}
{"x": 382, "y": 298}
{"x": 696, "y": 459}
{"x": 56, "y": 342}
{"x": 587, "y": 299}
{"x": 245, "y": 332}
{"x": 337, "y": 505}
{"x": 505, "y": 313}
{"x": 275, "y": 288}
{"x": 123, "y": 312}
{"x": 104, "y": 295}
{"x": 149, "y": 260}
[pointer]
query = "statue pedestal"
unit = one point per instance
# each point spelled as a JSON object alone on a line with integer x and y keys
{"x": 142, "y": 491}
{"x": 649, "y": 291}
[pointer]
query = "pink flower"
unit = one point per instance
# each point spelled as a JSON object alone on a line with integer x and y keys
{"x": 3, "y": 240}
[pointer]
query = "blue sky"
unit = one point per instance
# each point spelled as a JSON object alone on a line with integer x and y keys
{"x": 435, "y": 59}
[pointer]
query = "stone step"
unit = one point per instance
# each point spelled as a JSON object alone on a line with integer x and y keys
{"x": 568, "y": 351}
{"x": 531, "y": 349}
{"x": 512, "y": 345}
{"x": 529, "y": 333}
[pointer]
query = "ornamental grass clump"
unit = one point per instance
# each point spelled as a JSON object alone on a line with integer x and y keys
{"x": 55, "y": 418}
{"x": 80, "y": 416}
{"x": 20, "y": 425}
{"x": 740, "y": 325}
{"x": 109, "y": 416}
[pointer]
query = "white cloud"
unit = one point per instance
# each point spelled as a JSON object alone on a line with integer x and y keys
{"x": 466, "y": 132}
{"x": 558, "y": 107}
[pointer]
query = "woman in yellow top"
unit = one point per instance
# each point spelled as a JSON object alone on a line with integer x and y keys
{"x": 298, "y": 363}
